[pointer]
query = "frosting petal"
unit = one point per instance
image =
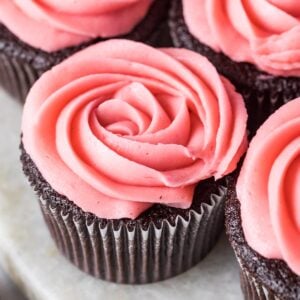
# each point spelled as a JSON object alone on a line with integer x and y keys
{"x": 122, "y": 120}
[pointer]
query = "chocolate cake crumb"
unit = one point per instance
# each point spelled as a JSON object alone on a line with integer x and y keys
{"x": 156, "y": 214}
{"x": 273, "y": 274}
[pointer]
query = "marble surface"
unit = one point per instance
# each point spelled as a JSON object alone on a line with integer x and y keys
{"x": 28, "y": 254}
{"x": 8, "y": 290}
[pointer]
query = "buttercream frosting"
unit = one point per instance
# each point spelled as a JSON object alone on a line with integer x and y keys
{"x": 263, "y": 32}
{"x": 268, "y": 187}
{"x": 121, "y": 125}
{"x": 53, "y": 25}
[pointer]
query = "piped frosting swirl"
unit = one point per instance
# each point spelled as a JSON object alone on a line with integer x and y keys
{"x": 53, "y": 25}
{"x": 263, "y": 32}
{"x": 121, "y": 125}
{"x": 268, "y": 187}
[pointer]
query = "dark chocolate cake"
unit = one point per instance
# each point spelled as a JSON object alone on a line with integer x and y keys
{"x": 261, "y": 278}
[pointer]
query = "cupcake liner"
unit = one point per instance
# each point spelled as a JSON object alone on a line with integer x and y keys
{"x": 130, "y": 253}
{"x": 16, "y": 76}
{"x": 21, "y": 65}
{"x": 253, "y": 290}
{"x": 261, "y": 103}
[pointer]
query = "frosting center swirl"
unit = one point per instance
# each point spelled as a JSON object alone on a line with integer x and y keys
{"x": 127, "y": 125}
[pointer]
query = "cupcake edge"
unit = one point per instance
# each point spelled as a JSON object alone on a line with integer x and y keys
{"x": 261, "y": 278}
{"x": 21, "y": 64}
{"x": 128, "y": 251}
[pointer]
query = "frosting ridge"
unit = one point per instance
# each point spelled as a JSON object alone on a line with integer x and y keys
{"x": 246, "y": 32}
{"x": 268, "y": 187}
{"x": 130, "y": 125}
{"x": 53, "y": 25}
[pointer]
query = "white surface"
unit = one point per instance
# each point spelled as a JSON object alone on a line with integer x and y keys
{"x": 28, "y": 254}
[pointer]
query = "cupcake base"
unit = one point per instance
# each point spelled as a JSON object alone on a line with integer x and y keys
{"x": 254, "y": 290}
{"x": 21, "y": 65}
{"x": 261, "y": 278}
{"x": 159, "y": 244}
{"x": 263, "y": 93}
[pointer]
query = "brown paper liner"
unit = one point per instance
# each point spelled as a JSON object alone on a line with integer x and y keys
{"x": 21, "y": 65}
{"x": 260, "y": 104}
{"x": 126, "y": 253}
{"x": 16, "y": 76}
{"x": 253, "y": 290}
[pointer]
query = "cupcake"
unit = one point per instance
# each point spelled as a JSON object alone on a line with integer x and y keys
{"x": 36, "y": 35}
{"x": 255, "y": 45}
{"x": 262, "y": 217}
{"x": 127, "y": 147}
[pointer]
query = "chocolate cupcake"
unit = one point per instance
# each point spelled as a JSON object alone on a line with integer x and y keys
{"x": 255, "y": 46}
{"x": 262, "y": 217}
{"x": 36, "y": 35}
{"x": 120, "y": 142}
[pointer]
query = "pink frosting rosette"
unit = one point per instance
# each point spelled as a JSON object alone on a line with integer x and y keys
{"x": 53, "y": 24}
{"x": 263, "y": 32}
{"x": 268, "y": 187}
{"x": 120, "y": 126}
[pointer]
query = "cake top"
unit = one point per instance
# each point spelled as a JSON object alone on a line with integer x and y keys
{"x": 268, "y": 187}
{"x": 265, "y": 33}
{"x": 52, "y": 25}
{"x": 121, "y": 125}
